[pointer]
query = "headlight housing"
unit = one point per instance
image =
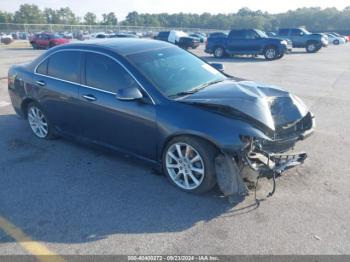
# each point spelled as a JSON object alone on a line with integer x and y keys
{"x": 284, "y": 42}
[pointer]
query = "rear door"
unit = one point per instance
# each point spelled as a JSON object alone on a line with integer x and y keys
{"x": 126, "y": 125}
{"x": 57, "y": 79}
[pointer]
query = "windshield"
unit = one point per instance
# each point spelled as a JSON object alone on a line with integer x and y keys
{"x": 261, "y": 34}
{"x": 175, "y": 71}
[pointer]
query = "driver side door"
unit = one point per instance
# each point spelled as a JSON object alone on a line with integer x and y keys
{"x": 125, "y": 125}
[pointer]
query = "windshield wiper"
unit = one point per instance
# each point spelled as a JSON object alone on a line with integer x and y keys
{"x": 195, "y": 90}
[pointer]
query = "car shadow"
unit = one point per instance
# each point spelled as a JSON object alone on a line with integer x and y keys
{"x": 67, "y": 192}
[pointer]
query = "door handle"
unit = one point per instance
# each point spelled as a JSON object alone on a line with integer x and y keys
{"x": 40, "y": 83}
{"x": 89, "y": 97}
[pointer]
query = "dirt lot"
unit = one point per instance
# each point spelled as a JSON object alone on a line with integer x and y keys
{"x": 77, "y": 200}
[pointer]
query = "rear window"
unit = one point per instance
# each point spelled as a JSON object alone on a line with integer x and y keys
{"x": 65, "y": 65}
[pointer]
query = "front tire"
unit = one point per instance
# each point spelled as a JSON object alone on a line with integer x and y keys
{"x": 271, "y": 53}
{"x": 311, "y": 47}
{"x": 189, "y": 164}
{"x": 38, "y": 121}
{"x": 336, "y": 42}
{"x": 219, "y": 52}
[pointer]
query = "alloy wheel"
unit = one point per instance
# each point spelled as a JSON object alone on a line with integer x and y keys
{"x": 185, "y": 166}
{"x": 271, "y": 53}
{"x": 38, "y": 122}
{"x": 311, "y": 47}
{"x": 218, "y": 52}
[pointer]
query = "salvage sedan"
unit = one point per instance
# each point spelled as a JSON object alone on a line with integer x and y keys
{"x": 162, "y": 104}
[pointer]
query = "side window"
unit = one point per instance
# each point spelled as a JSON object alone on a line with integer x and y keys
{"x": 65, "y": 65}
{"x": 106, "y": 74}
{"x": 283, "y": 32}
{"x": 42, "y": 68}
{"x": 236, "y": 34}
{"x": 250, "y": 35}
{"x": 296, "y": 32}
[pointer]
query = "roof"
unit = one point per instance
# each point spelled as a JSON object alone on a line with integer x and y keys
{"x": 125, "y": 46}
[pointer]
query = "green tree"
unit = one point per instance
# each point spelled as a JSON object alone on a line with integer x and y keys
{"x": 51, "y": 16}
{"x": 90, "y": 18}
{"x": 109, "y": 19}
{"x": 6, "y": 17}
{"x": 133, "y": 18}
{"x": 66, "y": 16}
{"x": 29, "y": 14}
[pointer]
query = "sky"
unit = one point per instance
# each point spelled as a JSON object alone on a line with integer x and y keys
{"x": 122, "y": 7}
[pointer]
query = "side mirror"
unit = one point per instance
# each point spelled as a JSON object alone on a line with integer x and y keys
{"x": 218, "y": 66}
{"x": 129, "y": 94}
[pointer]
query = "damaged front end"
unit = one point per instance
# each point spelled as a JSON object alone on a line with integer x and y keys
{"x": 263, "y": 158}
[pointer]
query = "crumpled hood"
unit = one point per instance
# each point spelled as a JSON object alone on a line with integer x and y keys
{"x": 269, "y": 105}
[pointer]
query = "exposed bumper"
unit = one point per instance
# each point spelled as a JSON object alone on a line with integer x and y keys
{"x": 268, "y": 164}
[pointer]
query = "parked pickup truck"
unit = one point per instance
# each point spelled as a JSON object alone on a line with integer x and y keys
{"x": 302, "y": 38}
{"x": 247, "y": 42}
{"x": 179, "y": 38}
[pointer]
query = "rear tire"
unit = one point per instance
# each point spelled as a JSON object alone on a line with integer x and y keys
{"x": 336, "y": 42}
{"x": 38, "y": 121}
{"x": 219, "y": 52}
{"x": 195, "y": 164}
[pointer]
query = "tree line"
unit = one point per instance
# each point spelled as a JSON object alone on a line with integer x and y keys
{"x": 313, "y": 18}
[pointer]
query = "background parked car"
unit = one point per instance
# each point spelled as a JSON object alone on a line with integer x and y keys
{"x": 342, "y": 36}
{"x": 47, "y": 40}
{"x": 202, "y": 38}
{"x": 247, "y": 42}
{"x": 6, "y": 39}
{"x": 100, "y": 35}
{"x": 335, "y": 40}
{"x": 301, "y": 38}
{"x": 218, "y": 35}
{"x": 123, "y": 35}
{"x": 178, "y": 38}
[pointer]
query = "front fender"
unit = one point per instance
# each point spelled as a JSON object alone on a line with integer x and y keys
{"x": 183, "y": 119}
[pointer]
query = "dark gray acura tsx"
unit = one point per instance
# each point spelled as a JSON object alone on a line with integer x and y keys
{"x": 162, "y": 104}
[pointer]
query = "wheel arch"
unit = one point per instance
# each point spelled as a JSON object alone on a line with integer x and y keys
{"x": 219, "y": 46}
{"x": 24, "y": 105}
{"x": 269, "y": 46}
{"x": 198, "y": 136}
